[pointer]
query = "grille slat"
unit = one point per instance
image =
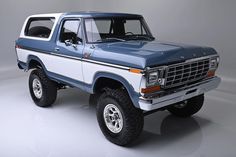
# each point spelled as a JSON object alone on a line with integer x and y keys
{"x": 183, "y": 73}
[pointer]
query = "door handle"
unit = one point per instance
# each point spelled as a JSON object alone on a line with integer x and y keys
{"x": 57, "y": 49}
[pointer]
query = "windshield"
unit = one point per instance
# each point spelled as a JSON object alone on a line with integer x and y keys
{"x": 116, "y": 29}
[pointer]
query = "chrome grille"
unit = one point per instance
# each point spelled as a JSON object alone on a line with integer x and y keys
{"x": 182, "y": 73}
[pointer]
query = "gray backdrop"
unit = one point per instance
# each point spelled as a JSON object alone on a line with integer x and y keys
{"x": 26, "y": 130}
{"x": 199, "y": 22}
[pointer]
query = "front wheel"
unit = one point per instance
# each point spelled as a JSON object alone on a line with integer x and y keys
{"x": 120, "y": 122}
{"x": 43, "y": 91}
{"x": 188, "y": 107}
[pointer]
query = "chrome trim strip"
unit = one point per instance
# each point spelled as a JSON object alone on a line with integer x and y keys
{"x": 91, "y": 61}
{"x": 66, "y": 56}
{"x": 79, "y": 59}
{"x": 106, "y": 64}
{"x": 200, "y": 58}
{"x": 155, "y": 103}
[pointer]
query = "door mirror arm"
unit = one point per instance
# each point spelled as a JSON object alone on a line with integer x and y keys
{"x": 68, "y": 42}
{"x": 74, "y": 45}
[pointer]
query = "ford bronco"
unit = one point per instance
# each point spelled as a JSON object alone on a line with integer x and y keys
{"x": 115, "y": 57}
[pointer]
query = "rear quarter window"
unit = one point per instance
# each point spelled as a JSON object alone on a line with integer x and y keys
{"x": 39, "y": 27}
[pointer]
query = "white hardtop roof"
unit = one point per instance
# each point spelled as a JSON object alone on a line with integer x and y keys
{"x": 47, "y": 15}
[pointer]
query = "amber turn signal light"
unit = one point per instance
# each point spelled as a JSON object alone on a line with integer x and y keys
{"x": 211, "y": 73}
{"x": 137, "y": 71}
{"x": 150, "y": 89}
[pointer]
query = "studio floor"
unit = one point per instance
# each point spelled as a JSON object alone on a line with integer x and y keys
{"x": 69, "y": 128}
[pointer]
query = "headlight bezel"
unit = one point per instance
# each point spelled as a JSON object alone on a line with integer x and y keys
{"x": 214, "y": 62}
{"x": 152, "y": 78}
{"x": 157, "y": 79}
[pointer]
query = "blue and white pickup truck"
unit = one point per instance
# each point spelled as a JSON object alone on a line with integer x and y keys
{"x": 115, "y": 57}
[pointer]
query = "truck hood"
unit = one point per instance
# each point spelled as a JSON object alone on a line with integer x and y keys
{"x": 141, "y": 54}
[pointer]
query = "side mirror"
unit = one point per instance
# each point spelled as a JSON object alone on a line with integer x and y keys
{"x": 68, "y": 42}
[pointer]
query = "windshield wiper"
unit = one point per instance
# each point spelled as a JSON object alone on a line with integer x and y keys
{"x": 141, "y": 36}
{"x": 108, "y": 39}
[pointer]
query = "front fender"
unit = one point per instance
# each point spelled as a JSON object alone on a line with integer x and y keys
{"x": 134, "y": 96}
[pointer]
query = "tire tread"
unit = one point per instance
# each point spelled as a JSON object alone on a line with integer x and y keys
{"x": 132, "y": 116}
{"x": 49, "y": 89}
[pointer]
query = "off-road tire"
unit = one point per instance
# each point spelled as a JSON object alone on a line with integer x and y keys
{"x": 49, "y": 88}
{"x": 132, "y": 117}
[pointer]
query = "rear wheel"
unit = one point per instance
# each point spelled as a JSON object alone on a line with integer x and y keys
{"x": 120, "y": 122}
{"x": 188, "y": 107}
{"x": 43, "y": 91}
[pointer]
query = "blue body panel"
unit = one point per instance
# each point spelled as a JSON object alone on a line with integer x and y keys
{"x": 141, "y": 54}
{"x": 36, "y": 45}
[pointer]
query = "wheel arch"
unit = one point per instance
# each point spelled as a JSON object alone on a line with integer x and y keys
{"x": 117, "y": 80}
{"x": 34, "y": 62}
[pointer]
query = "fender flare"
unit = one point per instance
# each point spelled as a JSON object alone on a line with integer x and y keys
{"x": 134, "y": 96}
{"x": 32, "y": 57}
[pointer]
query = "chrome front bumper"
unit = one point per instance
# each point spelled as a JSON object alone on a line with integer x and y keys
{"x": 148, "y": 104}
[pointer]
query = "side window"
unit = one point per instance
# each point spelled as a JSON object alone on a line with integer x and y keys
{"x": 71, "y": 31}
{"x": 39, "y": 27}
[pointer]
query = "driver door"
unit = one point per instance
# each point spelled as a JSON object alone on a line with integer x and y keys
{"x": 69, "y": 49}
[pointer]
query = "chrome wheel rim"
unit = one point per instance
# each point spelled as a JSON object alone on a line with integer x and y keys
{"x": 37, "y": 88}
{"x": 113, "y": 118}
